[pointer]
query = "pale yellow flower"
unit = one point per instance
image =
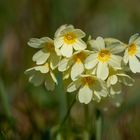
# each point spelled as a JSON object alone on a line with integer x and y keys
{"x": 74, "y": 65}
{"x": 68, "y": 38}
{"x": 42, "y": 74}
{"x": 104, "y": 56}
{"x": 132, "y": 53}
{"x": 47, "y": 53}
{"x": 89, "y": 88}
{"x": 115, "y": 80}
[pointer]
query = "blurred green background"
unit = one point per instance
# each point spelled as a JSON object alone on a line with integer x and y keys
{"x": 32, "y": 113}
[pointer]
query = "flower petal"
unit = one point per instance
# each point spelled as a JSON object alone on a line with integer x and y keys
{"x": 54, "y": 60}
{"x": 101, "y": 88}
{"x": 66, "y": 74}
{"x": 133, "y": 38}
{"x": 100, "y": 44}
{"x": 37, "y": 78}
{"x": 68, "y": 29}
{"x": 76, "y": 70}
{"x": 41, "y": 57}
{"x": 39, "y": 42}
{"x": 134, "y": 64}
{"x": 53, "y": 77}
{"x": 116, "y": 48}
{"x": 79, "y": 45}
{"x": 42, "y": 69}
{"x": 91, "y": 61}
{"x": 63, "y": 64}
{"x": 58, "y": 31}
{"x": 137, "y": 41}
{"x": 85, "y": 94}
{"x": 126, "y": 79}
{"x": 113, "y": 79}
{"x": 102, "y": 71}
{"x": 79, "y": 33}
{"x": 58, "y": 42}
{"x": 126, "y": 57}
{"x": 73, "y": 86}
{"x": 115, "y": 61}
{"x": 66, "y": 50}
{"x": 96, "y": 96}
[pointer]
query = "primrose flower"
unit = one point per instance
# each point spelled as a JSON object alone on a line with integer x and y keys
{"x": 132, "y": 53}
{"x": 74, "y": 65}
{"x": 68, "y": 38}
{"x": 47, "y": 52}
{"x": 40, "y": 74}
{"x": 115, "y": 80}
{"x": 89, "y": 87}
{"x": 104, "y": 56}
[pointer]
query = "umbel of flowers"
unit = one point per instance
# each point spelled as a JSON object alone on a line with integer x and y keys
{"x": 95, "y": 68}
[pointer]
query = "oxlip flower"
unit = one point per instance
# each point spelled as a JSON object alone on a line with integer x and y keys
{"x": 132, "y": 53}
{"x": 73, "y": 66}
{"x": 42, "y": 74}
{"x": 68, "y": 38}
{"x": 47, "y": 53}
{"x": 104, "y": 56}
{"x": 89, "y": 88}
{"x": 115, "y": 80}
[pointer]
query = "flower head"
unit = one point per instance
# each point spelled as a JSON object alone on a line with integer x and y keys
{"x": 89, "y": 87}
{"x": 115, "y": 80}
{"x": 73, "y": 66}
{"x": 132, "y": 53}
{"x": 40, "y": 74}
{"x": 68, "y": 38}
{"x": 104, "y": 56}
{"x": 47, "y": 53}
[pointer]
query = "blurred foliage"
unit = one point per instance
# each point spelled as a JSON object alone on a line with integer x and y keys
{"x": 32, "y": 113}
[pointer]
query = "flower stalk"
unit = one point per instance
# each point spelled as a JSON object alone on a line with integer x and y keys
{"x": 67, "y": 114}
{"x": 98, "y": 125}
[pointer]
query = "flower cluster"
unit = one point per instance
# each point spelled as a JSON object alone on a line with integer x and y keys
{"x": 95, "y": 68}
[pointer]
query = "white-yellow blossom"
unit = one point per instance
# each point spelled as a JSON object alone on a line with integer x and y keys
{"x": 104, "y": 56}
{"x": 132, "y": 53}
{"x": 73, "y": 66}
{"x": 47, "y": 53}
{"x": 94, "y": 67}
{"x": 115, "y": 80}
{"x": 68, "y": 38}
{"x": 42, "y": 74}
{"x": 89, "y": 87}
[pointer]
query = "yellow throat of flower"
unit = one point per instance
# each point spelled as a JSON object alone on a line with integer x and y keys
{"x": 79, "y": 58}
{"x": 70, "y": 38}
{"x": 50, "y": 47}
{"x": 132, "y": 49}
{"x": 104, "y": 55}
{"x": 87, "y": 81}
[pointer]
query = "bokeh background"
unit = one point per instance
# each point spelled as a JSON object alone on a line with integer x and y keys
{"x": 32, "y": 113}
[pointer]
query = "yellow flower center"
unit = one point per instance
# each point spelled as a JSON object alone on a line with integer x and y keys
{"x": 69, "y": 38}
{"x": 88, "y": 81}
{"x": 80, "y": 57}
{"x": 50, "y": 47}
{"x": 104, "y": 56}
{"x": 132, "y": 50}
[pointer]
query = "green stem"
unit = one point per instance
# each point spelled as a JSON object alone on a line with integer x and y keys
{"x": 67, "y": 114}
{"x": 61, "y": 98}
{"x": 98, "y": 125}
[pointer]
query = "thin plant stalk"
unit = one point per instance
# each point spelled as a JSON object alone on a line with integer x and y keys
{"x": 98, "y": 125}
{"x": 68, "y": 113}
